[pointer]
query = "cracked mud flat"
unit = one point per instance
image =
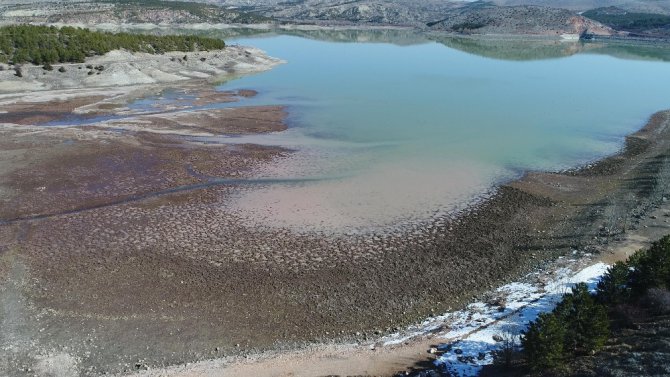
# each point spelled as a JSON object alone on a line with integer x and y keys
{"x": 117, "y": 252}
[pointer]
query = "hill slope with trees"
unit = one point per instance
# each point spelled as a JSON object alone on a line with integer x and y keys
{"x": 48, "y": 45}
{"x": 652, "y": 24}
{"x": 620, "y": 330}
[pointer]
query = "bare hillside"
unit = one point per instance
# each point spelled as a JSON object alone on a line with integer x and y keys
{"x": 123, "y": 11}
{"x": 485, "y": 18}
{"x": 388, "y": 12}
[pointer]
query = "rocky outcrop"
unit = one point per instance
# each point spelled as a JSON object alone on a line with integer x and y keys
{"x": 582, "y": 25}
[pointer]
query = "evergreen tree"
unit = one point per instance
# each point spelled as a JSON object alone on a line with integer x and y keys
{"x": 614, "y": 287}
{"x": 543, "y": 342}
{"x": 578, "y": 325}
{"x": 588, "y": 324}
{"x": 651, "y": 269}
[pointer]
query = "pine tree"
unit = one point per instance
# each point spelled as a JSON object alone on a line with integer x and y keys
{"x": 614, "y": 287}
{"x": 651, "y": 269}
{"x": 543, "y": 342}
{"x": 588, "y": 324}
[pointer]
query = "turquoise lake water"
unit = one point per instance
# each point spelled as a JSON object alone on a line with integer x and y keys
{"x": 414, "y": 129}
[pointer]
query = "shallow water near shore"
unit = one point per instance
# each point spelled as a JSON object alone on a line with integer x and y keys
{"x": 412, "y": 128}
{"x": 407, "y": 129}
{"x": 428, "y": 127}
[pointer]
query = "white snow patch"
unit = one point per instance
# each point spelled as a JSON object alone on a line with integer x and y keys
{"x": 467, "y": 335}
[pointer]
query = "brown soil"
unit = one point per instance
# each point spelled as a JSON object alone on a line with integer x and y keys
{"x": 117, "y": 250}
{"x": 239, "y": 120}
{"x": 28, "y": 113}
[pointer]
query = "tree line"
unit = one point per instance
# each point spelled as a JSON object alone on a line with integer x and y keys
{"x": 580, "y": 324}
{"x": 48, "y": 44}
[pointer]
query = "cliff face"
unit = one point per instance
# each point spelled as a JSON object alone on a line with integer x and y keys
{"x": 522, "y": 20}
{"x": 582, "y": 25}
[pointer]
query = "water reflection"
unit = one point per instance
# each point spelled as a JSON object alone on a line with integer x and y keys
{"x": 495, "y": 47}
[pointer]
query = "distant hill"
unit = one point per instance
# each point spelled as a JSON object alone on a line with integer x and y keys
{"x": 644, "y": 6}
{"x": 486, "y": 18}
{"x": 389, "y": 12}
{"x": 633, "y": 22}
{"x": 122, "y": 11}
{"x": 510, "y": 17}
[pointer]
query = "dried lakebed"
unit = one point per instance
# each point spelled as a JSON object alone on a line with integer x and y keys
{"x": 109, "y": 267}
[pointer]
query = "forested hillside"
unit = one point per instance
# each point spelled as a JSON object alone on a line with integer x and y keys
{"x": 638, "y": 23}
{"x": 48, "y": 45}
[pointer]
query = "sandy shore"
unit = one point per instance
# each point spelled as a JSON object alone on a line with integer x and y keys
{"x": 117, "y": 252}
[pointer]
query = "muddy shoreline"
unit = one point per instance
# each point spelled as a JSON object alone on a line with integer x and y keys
{"x": 621, "y": 232}
{"x": 173, "y": 278}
